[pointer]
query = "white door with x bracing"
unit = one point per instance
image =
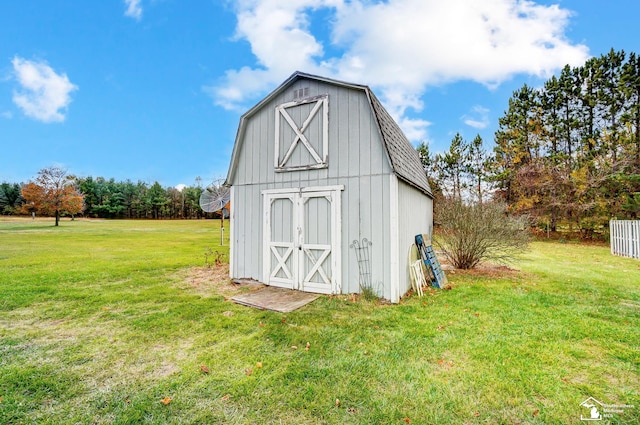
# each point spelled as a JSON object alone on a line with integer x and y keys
{"x": 301, "y": 240}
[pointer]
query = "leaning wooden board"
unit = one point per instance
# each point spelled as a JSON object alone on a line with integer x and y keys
{"x": 437, "y": 276}
{"x": 412, "y": 257}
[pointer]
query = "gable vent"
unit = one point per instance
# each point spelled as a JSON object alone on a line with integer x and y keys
{"x": 300, "y": 93}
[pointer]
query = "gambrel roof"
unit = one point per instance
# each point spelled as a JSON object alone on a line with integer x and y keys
{"x": 405, "y": 160}
{"x": 403, "y": 157}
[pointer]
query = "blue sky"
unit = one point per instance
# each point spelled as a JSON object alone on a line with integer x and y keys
{"x": 153, "y": 90}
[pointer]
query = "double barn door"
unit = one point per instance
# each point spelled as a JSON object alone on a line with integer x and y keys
{"x": 301, "y": 240}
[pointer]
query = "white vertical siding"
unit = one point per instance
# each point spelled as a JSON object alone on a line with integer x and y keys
{"x": 336, "y": 238}
{"x": 367, "y": 211}
{"x": 415, "y": 217}
{"x": 232, "y": 201}
{"x": 357, "y": 160}
{"x": 351, "y": 212}
{"x": 394, "y": 227}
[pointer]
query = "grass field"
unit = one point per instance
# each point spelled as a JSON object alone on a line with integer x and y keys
{"x": 118, "y": 321}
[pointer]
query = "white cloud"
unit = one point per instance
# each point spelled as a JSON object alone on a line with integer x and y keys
{"x": 398, "y": 47}
{"x": 279, "y": 35}
{"x": 396, "y": 102}
{"x": 477, "y": 118}
{"x": 134, "y": 9}
{"x": 44, "y": 94}
{"x": 6, "y": 114}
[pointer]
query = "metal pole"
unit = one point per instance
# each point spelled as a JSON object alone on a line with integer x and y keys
{"x": 222, "y": 227}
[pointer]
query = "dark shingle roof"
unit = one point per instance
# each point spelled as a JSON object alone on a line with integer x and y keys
{"x": 405, "y": 160}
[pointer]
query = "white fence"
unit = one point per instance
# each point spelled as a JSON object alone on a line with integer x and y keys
{"x": 625, "y": 238}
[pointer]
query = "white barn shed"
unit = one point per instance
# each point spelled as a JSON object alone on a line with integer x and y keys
{"x": 317, "y": 165}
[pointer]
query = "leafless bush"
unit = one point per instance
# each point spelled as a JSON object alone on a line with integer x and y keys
{"x": 469, "y": 234}
{"x": 213, "y": 257}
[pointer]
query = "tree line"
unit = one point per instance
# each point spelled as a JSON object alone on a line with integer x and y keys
{"x": 565, "y": 154}
{"x": 569, "y": 152}
{"x": 125, "y": 199}
{"x": 101, "y": 198}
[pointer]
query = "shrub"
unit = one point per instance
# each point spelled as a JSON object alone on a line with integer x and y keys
{"x": 469, "y": 234}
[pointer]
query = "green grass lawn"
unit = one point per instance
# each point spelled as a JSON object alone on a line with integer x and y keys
{"x": 100, "y": 321}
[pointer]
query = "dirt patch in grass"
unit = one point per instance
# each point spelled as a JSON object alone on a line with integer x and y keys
{"x": 630, "y": 304}
{"x": 214, "y": 280}
{"x": 485, "y": 270}
{"x": 482, "y": 269}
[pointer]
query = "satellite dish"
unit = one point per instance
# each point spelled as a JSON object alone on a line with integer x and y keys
{"x": 214, "y": 198}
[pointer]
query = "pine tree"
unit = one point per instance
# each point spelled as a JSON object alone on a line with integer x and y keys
{"x": 453, "y": 165}
{"x": 477, "y": 168}
{"x": 571, "y": 150}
